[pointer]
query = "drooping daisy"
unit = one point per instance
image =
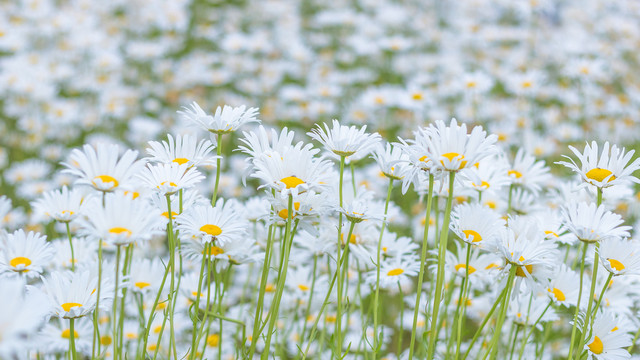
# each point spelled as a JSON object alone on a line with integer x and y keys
{"x": 475, "y": 224}
{"x": 62, "y": 205}
{"x": 591, "y": 223}
{"x": 122, "y": 220}
{"x": 347, "y": 141}
{"x": 527, "y": 172}
{"x": 225, "y": 120}
{"x": 25, "y": 254}
{"x": 102, "y": 167}
{"x": 183, "y": 150}
{"x": 452, "y": 149}
{"x": 169, "y": 178}
{"x": 220, "y": 223}
{"x": 72, "y": 295}
{"x": 607, "y": 342}
{"x": 606, "y": 169}
{"x": 620, "y": 256}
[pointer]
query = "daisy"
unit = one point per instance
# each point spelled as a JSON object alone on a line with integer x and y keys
{"x": 345, "y": 141}
{"x": 225, "y": 120}
{"x": 475, "y": 224}
{"x": 54, "y": 336}
{"x": 169, "y": 178}
{"x": 452, "y": 149}
{"x": 527, "y": 172}
{"x": 396, "y": 270}
{"x": 563, "y": 288}
{"x": 390, "y": 160}
{"x": 25, "y": 254}
{"x": 607, "y": 341}
{"x": 220, "y": 223}
{"x": 418, "y": 162}
{"x": 85, "y": 253}
{"x": 72, "y": 295}
{"x": 591, "y": 223}
{"x": 102, "y": 168}
{"x": 61, "y": 205}
{"x": 620, "y": 256}
{"x": 183, "y": 150}
{"x": 122, "y": 220}
{"x": 145, "y": 275}
{"x": 611, "y": 168}
{"x": 240, "y": 251}
{"x": 490, "y": 174}
{"x": 360, "y": 208}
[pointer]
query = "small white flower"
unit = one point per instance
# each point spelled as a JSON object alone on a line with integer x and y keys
{"x": 225, "y": 120}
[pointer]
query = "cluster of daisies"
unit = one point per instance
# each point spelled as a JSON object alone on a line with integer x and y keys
{"x": 442, "y": 245}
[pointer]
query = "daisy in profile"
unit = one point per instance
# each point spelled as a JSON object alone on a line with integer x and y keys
{"x": 620, "y": 256}
{"x": 563, "y": 288}
{"x": 221, "y": 223}
{"x": 452, "y": 149}
{"x": 591, "y": 223}
{"x": 396, "y": 270}
{"x": 25, "y": 254}
{"x": 418, "y": 161}
{"x": 609, "y": 168}
{"x": 102, "y": 167}
{"x": 72, "y": 295}
{"x": 122, "y": 220}
{"x": 183, "y": 150}
{"x": 169, "y": 178}
{"x": 345, "y": 141}
{"x": 240, "y": 251}
{"x": 475, "y": 224}
{"x": 225, "y": 120}
{"x": 607, "y": 341}
{"x": 62, "y": 205}
{"x": 527, "y": 172}
{"x": 145, "y": 276}
{"x": 390, "y": 160}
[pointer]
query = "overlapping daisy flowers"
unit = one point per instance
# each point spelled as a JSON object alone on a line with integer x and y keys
{"x": 152, "y": 257}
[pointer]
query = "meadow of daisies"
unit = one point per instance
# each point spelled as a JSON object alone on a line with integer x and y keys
{"x": 283, "y": 179}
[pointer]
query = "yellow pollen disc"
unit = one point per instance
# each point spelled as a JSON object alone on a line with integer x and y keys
{"x": 214, "y": 250}
{"x": 491, "y": 266}
{"x": 303, "y": 287}
{"x": 131, "y": 336}
{"x": 68, "y": 306}
{"x": 161, "y": 306}
{"x": 152, "y": 347}
{"x": 559, "y": 295}
{"x": 157, "y": 329}
{"x": 596, "y": 346}
{"x": 213, "y": 340}
{"x": 470, "y": 233}
{"x": 120, "y": 230}
{"x": 520, "y": 272}
{"x": 614, "y": 329}
{"x": 515, "y": 173}
{"x": 384, "y": 248}
{"x": 526, "y": 84}
{"x": 491, "y": 204}
{"x": 212, "y": 230}
{"x": 171, "y": 183}
{"x": 549, "y": 232}
{"x": 67, "y": 212}
{"x": 166, "y": 214}
{"x": 134, "y": 194}
{"x": 106, "y": 179}
{"x": 142, "y": 284}
{"x": 424, "y": 158}
{"x": 483, "y": 184}
{"x": 20, "y": 261}
{"x": 395, "y": 272}
{"x": 598, "y": 174}
{"x": 195, "y": 294}
{"x": 180, "y": 160}
{"x": 616, "y": 264}
{"x": 270, "y": 288}
{"x": 331, "y": 318}
{"x": 105, "y": 340}
{"x": 453, "y": 155}
{"x": 461, "y": 266}
{"x": 291, "y": 181}
{"x": 471, "y": 84}
{"x": 66, "y": 333}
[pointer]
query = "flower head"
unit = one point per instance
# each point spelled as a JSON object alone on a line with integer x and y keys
{"x": 345, "y": 141}
{"x": 225, "y": 120}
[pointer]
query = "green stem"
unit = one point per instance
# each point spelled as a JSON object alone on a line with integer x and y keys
{"x": 484, "y": 322}
{"x": 73, "y": 258}
{"x": 72, "y": 340}
{"x": 153, "y": 309}
{"x": 515, "y": 340}
{"x": 308, "y": 309}
{"x": 510, "y": 197}
{"x": 196, "y": 308}
{"x": 633, "y": 343}
{"x": 126, "y": 269}
{"x": 463, "y": 300}
{"x": 96, "y": 313}
{"x": 376, "y": 298}
{"x": 533, "y": 327}
{"x": 587, "y": 326}
{"x": 493, "y": 345}
{"x": 338, "y": 325}
{"x": 577, "y": 311}
{"x": 423, "y": 257}
{"x": 218, "y": 170}
{"x": 401, "y": 325}
{"x": 115, "y": 306}
{"x": 444, "y": 237}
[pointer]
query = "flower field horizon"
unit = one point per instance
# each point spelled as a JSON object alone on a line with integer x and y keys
{"x": 204, "y": 179}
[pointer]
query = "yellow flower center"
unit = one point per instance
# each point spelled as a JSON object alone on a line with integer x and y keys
{"x": 416, "y": 96}
{"x": 120, "y": 230}
{"x": 180, "y": 160}
{"x": 212, "y": 230}
{"x": 616, "y": 264}
{"x": 68, "y": 306}
{"x": 66, "y": 333}
{"x": 20, "y": 261}
{"x": 453, "y": 155}
{"x": 596, "y": 346}
{"x": 106, "y": 179}
{"x": 166, "y": 214}
{"x": 105, "y": 340}
{"x": 303, "y": 287}
{"x": 462, "y": 266}
{"x": 352, "y": 239}
{"x": 214, "y": 250}
{"x": 526, "y": 84}
{"x": 131, "y": 335}
{"x": 284, "y": 213}
{"x": 171, "y": 183}
{"x": 142, "y": 284}
{"x": 291, "y": 181}
{"x": 395, "y": 272}
{"x": 471, "y": 84}
{"x": 470, "y": 233}
{"x": 559, "y": 295}
{"x": 483, "y": 184}
{"x": 520, "y": 272}
{"x": 424, "y": 158}
{"x": 213, "y": 340}
{"x": 515, "y": 173}
{"x": 598, "y": 174}
{"x": 549, "y": 232}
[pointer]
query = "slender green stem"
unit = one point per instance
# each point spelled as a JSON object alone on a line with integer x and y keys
{"x": 96, "y": 313}
{"x": 444, "y": 237}
{"x": 577, "y": 311}
{"x": 510, "y": 197}
{"x": 400, "y": 331}
{"x": 533, "y": 327}
{"x": 153, "y": 308}
{"x": 633, "y": 343}
{"x": 587, "y": 321}
{"x": 115, "y": 305}
{"x": 515, "y": 340}
{"x": 338, "y": 324}
{"x": 73, "y": 258}
{"x": 72, "y": 340}
{"x": 376, "y": 298}
{"x": 463, "y": 300}
{"x": 196, "y": 308}
{"x": 126, "y": 269}
{"x": 493, "y": 345}
{"x": 308, "y": 309}
{"x": 484, "y": 322}
{"x": 423, "y": 257}
{"x": 218, "y": 170}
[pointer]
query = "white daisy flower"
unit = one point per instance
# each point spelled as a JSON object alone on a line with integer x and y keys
{"x": 591, "y": 223}
{"x": 169, "y": 178}
{"x": 607, "y": 342}
{"x": 240, "y": 251}
{"x": 25, "y": 254}
{"x": 346, "y": 141}
{"x": 609, "y": 168}
{"x": 390, "y": 160}
{"x": 620, "y": 256}
{"x": 527, "y": 172}
{"x": 564, "y": 288}
{"x": 62, "y": 205}
{"x": 394, "y": 270}
{"x": 183, "y": 150}
{"x": 418, "y": 163}
{"x": 102, "y": 168}
{"x": 225, "y": 120}
{"x": 145, "y": 275}
{"x": 73, "y": 295}
{"x": 475, "y": 224}
{"x": 54, "y": 336}
{"x": 220, "y": 223}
